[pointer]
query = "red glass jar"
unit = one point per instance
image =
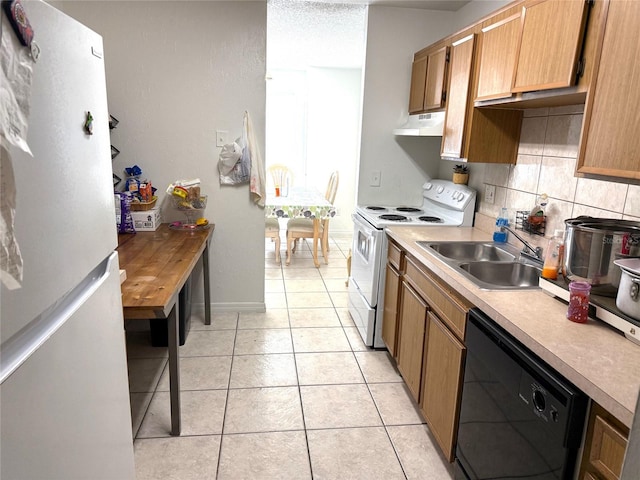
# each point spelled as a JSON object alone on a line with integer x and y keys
{"x": 578, "y": 310}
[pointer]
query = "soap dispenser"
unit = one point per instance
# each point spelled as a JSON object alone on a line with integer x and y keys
{"x": 502, "y": 220}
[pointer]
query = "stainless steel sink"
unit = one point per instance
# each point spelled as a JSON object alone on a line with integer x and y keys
{"x": 491, "y": 266}
{"x": 473, "y": 251}
{"x": 500, "y": 275}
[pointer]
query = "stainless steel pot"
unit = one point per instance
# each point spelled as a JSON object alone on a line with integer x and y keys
{"x": 628, "y": 298}
{"x": 591, "y": 247}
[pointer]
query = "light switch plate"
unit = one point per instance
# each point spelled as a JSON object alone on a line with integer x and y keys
{"x": 375, "y": 178}
{"x": 221, "y": 137}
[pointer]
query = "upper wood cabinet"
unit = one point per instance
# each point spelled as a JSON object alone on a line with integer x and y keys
{"x": 497, "y": 57}
{"x": 418, "y": 82}
{"x": 609, "y": 144}
{"x": 473, "y": 134}
{"x": 460, "y": 69}
{"x": 550, "y": 44}
{"x": 428, "y": 79}
{"x": 434, "y": 92}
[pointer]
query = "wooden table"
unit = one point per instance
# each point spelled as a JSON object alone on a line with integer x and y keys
{"x": 301, "y": 203}
{"x": 157, "y": 265}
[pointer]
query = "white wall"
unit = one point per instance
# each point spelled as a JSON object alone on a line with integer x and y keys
{"x": 333, "y": 134}
{"x": 475, "y": 10}
{"x": 176, "y": 72}
{"x": 393, "y": 36}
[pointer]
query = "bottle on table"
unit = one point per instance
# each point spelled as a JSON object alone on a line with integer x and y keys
{"x": 553, "y": 255}
{"x": 502, "y": 220}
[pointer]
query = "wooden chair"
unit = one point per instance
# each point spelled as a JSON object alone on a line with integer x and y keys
{"x": 281, "y": 177}
{"x": 272, "y": 231}
{"x": 298, "y": 228}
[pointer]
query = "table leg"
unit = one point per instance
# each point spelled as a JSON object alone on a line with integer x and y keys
{"x": 174, "y": 368}
{"x": 316, "y": 234}
{"x": 207, "y": 288}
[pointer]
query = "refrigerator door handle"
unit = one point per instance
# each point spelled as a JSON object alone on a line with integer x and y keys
{"x": 17, "y": 349}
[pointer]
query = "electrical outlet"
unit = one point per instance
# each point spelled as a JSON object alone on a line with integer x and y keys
{"x": 374, "y": 181}
{"x": 490, "y": 193}
{"x": 221, "y": 137}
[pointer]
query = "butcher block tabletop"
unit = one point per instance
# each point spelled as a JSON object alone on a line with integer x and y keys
{"x": 157, "y": 265}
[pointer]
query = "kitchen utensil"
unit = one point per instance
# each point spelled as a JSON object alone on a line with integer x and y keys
{"x": 592, "y": 246}
{"x": 628, "y": 298}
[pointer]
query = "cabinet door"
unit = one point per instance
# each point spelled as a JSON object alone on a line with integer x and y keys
{"x": 418, "y": 82}
{"x": 413, "y": 318}
{"x": 434, "y": 97}
{"x": 550, "y": 44}
{"x": 460, "y": 64}
{"x": 442, "y": 385}
{"x": 390, "y": 314}
{"x": 607, "y": 449}
{"x": 604, "y": 446}
{"x": 609, "y": 144}
{"x": 498, "y": 48}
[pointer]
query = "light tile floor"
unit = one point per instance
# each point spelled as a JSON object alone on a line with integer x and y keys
{"x": 292, "y": 393}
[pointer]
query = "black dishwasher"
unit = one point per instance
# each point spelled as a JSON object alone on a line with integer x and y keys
{"x": 519, "y": 418}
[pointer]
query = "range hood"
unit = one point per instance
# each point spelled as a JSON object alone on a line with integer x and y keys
{"x": 422, "y": 125}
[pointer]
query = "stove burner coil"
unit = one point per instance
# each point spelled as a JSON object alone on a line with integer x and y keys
{"x": 430, "y": 219}
{"x": 394, "y": 218}
{"x": 408, "y": 209}
{"x": 376, "y": 208}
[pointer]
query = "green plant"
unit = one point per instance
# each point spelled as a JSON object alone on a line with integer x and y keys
{"x": 460, "y": 169}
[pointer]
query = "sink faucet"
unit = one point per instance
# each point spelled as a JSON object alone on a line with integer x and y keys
{"x": 536, "y": 252}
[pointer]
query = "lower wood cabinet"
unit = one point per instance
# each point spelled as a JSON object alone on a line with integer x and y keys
{"x": 605, "y": 446}
{"x": 413, "y": 319}
{"x": 430, "y": 353}
{"x": 442, "y": 383}
{"x": 395, "y": 266}
{"x": 390, "y": 314}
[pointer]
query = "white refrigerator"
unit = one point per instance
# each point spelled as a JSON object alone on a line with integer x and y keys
{"x": 64, "y": 396}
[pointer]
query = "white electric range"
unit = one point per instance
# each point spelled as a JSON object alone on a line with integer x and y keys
{"x": 444, "y": 204}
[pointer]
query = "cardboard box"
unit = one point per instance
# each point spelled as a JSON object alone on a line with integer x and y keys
{"x": 147, "y": 221}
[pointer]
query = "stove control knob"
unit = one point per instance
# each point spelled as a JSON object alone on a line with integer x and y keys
{"x": 428, "y": 186}
{"x": 440, "y": 189}
{"x": 461, "y": 196}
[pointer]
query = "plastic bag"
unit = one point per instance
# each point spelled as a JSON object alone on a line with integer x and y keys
{"x": 234, "y": 163}
{"x": 126, "y": 221}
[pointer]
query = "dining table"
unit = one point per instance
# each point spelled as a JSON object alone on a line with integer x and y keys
{"x": 301, "y": 202}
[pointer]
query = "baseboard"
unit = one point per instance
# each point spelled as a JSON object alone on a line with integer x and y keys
{"x": 231, "y": 307}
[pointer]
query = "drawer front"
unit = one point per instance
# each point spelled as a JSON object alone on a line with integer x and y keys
{"x": 395, "y": 255}
{"x": 451, "y": 310}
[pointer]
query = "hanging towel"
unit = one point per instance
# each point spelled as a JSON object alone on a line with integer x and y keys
{"x": 257, "y": 185}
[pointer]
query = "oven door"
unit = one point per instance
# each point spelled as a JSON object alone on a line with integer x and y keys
{"x": 367, "y": 251}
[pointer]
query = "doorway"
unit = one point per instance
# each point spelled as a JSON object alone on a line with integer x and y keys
{"x": 315, "y": 64}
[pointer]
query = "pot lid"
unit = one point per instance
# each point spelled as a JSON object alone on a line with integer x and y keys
{"x": 629, "y": 265}
{"x": 598, "y": 224}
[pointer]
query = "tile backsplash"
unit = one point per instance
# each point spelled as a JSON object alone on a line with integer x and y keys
{"x": 546, "y": 163}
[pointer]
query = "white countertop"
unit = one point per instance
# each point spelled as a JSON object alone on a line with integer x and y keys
{"x": 595, "y": 357}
